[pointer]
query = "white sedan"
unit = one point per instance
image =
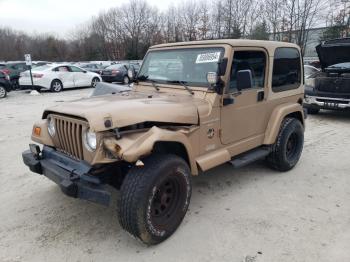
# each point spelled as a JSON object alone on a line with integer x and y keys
{"x": 56, "y": 77}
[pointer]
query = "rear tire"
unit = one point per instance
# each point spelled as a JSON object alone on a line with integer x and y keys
{"x": 126, "y": 80}
{"x": 94, "y": 82}
{"x": 3, "y": 92}
{"x": 56, "y": 86}
{"x": 288, "y": 146}
{"x": 313, "y": 111}
{"x": 154, "y": 198}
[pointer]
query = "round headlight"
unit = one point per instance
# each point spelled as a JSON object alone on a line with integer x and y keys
{"x": 90, "y": 140}
{"x": 51, "y": 126}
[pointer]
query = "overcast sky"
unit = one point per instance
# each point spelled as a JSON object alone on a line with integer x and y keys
{"x": 57, "y": 16}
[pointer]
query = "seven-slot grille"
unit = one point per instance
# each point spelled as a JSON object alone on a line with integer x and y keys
{"x": 69, "y": 136}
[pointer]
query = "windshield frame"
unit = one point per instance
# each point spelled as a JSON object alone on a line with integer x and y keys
{"x": 221, "y": 48}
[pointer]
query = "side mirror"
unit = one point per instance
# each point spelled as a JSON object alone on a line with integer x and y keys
{"x": 212, "y": 78}
{"x": 222, "y": 66}
{"x": 244, "y": 79}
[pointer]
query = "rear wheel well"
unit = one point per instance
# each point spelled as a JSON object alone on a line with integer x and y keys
{"x": 176, "y": 148}
{"x": 297, "y": 115}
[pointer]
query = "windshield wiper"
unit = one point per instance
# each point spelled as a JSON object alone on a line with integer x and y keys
{"x": 145, "y": 78}
{"x": 183, "y": 83}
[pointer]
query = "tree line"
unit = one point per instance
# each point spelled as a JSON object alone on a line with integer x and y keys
{"x": 126, "y": 32}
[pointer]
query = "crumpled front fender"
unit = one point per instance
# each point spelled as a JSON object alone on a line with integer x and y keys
{"x": 132, "y": 147}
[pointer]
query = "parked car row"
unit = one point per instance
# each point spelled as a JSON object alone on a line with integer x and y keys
{"x": 56, "y": 77}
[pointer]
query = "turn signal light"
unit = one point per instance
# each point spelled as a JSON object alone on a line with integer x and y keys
{"x": 37, "y": 131}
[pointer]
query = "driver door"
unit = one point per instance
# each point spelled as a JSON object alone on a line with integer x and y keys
{"x": 81, "y": 77}
{"x": 245, "y": 117}
{"x": 65, "y": 75}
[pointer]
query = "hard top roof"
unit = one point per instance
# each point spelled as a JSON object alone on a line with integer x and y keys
{"x": 232, "y": 42}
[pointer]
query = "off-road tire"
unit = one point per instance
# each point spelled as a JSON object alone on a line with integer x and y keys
{"x": 288, "y": 147}
{"x": 126, "y": 80}
{"x": 163, "y": 180}
{"x": 3, "y": 92}
{"x": 313, "y": 111}
{"x": 54, "y": 86}
{"x": 94, "y": 82}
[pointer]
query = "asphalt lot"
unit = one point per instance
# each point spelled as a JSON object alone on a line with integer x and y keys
{"x": 251, "y": 214}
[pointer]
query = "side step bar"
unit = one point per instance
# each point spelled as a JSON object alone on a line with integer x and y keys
{"x": 250, "y": 157}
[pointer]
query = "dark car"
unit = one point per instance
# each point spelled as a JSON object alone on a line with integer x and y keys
{"x": 5, "y": 84}
{"x": 14, "y": 69}
{"x": 330, "y": 88}
{"x": 117, "y": 73}
{"x": 93, "y": 67}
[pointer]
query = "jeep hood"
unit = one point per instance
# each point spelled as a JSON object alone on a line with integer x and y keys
{"x": 130, "y": 108}
{"x": 334, "y": 52}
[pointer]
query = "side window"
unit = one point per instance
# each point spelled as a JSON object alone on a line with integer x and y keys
{"x": 76, "y": 69}
{"x": 61, "y": 69}
{"x": 286, "y": 69}
{"x": 255, "y": 61}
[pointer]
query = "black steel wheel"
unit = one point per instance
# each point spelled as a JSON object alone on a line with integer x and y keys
{"x": 154, "y": 198}
{"x": 288, "y": 147}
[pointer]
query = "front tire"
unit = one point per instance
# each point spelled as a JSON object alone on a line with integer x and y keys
{"x": 56, "y": 86}
{"x": 154, "y": 198}
{"x": 287, "y": 149}
{"x": 3, "y": 92}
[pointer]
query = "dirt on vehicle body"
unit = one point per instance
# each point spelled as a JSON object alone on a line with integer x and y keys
{"x": 193, "y": 106}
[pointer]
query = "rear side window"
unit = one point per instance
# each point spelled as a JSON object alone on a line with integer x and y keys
{"x": 76, "y": 69}
{"x": 286, "y": 69}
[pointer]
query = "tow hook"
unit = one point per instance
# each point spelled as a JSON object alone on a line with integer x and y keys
{"x": 139, "y": 163}
{"x": 35, "y": 149}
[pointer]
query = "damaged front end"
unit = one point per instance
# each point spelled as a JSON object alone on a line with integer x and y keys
{"x": 84, "y": 169}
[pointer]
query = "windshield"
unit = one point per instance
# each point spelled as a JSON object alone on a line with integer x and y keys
{"x": 181, "y": 65}
{"x": 341, "y": 65}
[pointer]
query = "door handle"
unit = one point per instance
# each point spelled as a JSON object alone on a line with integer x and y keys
{"x": 260, "y": 96}
{"x": 228, "y": 101}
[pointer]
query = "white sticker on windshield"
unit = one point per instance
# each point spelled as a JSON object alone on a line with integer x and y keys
{"x": 208, "y": 58}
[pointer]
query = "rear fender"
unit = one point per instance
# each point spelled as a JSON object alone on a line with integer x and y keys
{"x": 277, "y": 116}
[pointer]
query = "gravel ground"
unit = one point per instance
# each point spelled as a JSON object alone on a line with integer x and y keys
{"x": 251, "y": 214}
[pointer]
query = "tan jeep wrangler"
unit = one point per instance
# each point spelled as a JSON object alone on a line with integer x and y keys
{"x": 193, "y": 106}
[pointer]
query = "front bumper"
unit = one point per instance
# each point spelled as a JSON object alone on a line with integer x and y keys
{"x": 317, "y": 102}
{"x": 72, "y": 176}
